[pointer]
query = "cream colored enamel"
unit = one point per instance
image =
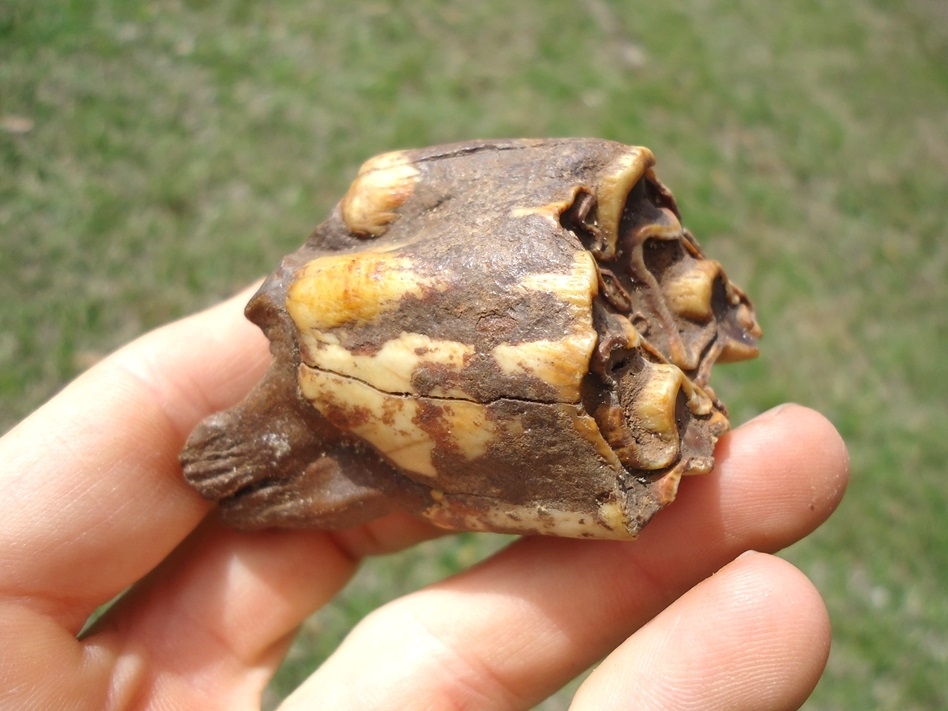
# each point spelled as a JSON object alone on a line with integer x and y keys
{"x": 468, "y": 426}
{"x": 390, "y": 369}
{"x": 668, "y": 485}
{"x": 612, "y": 514}
{"x": 342, "y": 288}
{"x": 698, "y": 401}
{"x": 587, "y": 428}
{"x": 668, "y": 228}
{"x": 614, "y": 188}
{"x": 564, "y": 362}
{"x": 551, "y": 211}
{"x": 633, "y": 339}
{"x": 576, "y": 287}
{"x": 696, "y": 466}
{"x": 561, "y": 364}
{"x": 689, "y": 293}
{"x": 383, "y": 185}
{"x": 654, "y": 408}
{"x": 384, "y": 421}
{"x": 406, "y": 430}
{"x": 385, "y": 161}
{"x": 609, "y": 524}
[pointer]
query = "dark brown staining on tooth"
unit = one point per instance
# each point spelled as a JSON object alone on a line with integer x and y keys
{"x": 453, "y": 242}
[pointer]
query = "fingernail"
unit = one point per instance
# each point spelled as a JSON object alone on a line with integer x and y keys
{"x": 773, "y": 412}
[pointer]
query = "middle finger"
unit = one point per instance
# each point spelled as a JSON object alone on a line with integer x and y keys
{"x": 507, "y": 633}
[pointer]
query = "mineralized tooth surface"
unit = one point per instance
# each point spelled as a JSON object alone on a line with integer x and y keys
{"x": 511, "y": 335}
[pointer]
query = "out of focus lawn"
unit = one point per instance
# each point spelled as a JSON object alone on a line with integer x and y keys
{"x": 155, "y": 156}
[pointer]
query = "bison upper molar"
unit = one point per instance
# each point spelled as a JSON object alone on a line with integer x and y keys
{"x": 457, "y": 340}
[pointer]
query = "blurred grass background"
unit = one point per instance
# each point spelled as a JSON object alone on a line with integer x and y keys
{"x": 156, "y": 156}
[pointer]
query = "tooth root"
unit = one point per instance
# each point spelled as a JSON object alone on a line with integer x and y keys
{"x": 688, "y": 293}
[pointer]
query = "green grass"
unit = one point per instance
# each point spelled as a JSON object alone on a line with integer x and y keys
{"x": 154, "y": 157}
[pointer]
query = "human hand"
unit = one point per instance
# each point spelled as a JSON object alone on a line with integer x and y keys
{"x": 94, "y": 503}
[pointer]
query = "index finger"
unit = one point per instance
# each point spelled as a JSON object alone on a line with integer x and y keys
{"x": 93, "y": 492}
